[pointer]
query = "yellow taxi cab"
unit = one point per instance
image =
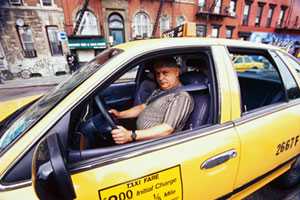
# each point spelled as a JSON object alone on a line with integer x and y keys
{"x": 246, "y": 62}
{"x": 9, "y": 107}
{"x": 243, "y": 133}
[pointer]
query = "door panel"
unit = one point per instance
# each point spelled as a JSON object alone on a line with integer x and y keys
{"x": 172, "y": 171}
{"x": 267, "y": 142}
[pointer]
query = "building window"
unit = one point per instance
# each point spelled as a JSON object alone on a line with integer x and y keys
{"x": 116, "y": 28}
{"x": 88, "y": 24}
{"x": 180, "y": 20}
{"x": 232, "y": 8}
{"x": 164, "y": 24}
{"x": 15, "y": 2}
{"x": 229, "y": 31}
{"x": 270, "y": 15}
{"x": 141, "y": 26}
{"x": 246, "y": 13}
{"x": 201, "y": 30}
{"x": 281, "y": 16}
{"x": 215, "y": 31}
{"x": 26, "y": 39}
{"x": 46, "y": 2}
{"x": 259, "y": 12}
{"x": 218, "y": 5}
{"x": 54, "y": 43}
{"x": 201, "y": 3}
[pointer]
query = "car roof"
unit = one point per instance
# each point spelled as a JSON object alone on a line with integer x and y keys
{"x": 152, "y": 44}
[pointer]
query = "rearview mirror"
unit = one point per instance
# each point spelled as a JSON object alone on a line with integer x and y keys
{"x": 50, "y": 177}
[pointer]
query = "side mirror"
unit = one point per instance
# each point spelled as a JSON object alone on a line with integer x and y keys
{"x": 50, "y": 177}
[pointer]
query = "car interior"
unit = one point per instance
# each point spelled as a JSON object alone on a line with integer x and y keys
{"x": 259, "y": 87}
{"x": 131, "y": 88}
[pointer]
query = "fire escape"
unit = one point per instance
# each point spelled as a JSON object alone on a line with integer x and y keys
{"x": 211, "y": 12}
{"x": 83, "y": 9}
{"x": 157, "y": 17}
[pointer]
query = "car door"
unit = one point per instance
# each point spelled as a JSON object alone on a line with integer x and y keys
{"x": 269, "y": 125}
{"x": 172, "y": 169}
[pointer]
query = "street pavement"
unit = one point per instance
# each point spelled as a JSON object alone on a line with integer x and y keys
{"x": 33, "y": 82}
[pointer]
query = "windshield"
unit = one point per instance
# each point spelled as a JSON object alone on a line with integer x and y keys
{"x": 47, "y": 102}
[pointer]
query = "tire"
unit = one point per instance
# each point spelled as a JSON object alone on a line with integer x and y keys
{"x": 25, "y": 74}
{"x": 289, "y": 178}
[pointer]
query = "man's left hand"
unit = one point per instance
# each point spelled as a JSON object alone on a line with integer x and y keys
{"x": 121, "y": 135}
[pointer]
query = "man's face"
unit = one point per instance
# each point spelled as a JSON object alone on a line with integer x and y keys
{"x": 167, "y": 77}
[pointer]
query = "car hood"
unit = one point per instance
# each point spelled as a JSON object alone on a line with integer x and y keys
{"x": 10, "y": 106}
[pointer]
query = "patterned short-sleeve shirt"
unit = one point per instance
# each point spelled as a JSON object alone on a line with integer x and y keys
{"x": 172, "y": 109}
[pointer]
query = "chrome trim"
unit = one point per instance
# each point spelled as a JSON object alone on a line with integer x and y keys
{"x": 264, "y": 111}
{"x": 14, "y": 186}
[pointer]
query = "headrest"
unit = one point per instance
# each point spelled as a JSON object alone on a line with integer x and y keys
{"x": 193, "y": 78}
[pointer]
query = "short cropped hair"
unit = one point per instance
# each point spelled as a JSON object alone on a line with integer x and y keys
{"x": 165, "y": 62}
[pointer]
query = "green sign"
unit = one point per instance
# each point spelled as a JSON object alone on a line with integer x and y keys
{"x": 87, "y": 43}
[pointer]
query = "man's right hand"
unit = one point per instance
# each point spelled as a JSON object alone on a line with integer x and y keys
{"x": 114, "y": 112}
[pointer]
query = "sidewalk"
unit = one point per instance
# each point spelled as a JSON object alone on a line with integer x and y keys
{"x": 34, "y": 82}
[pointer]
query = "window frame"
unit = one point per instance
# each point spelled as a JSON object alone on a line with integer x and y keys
{"x": 137, "y": 60}
{"x": 231, "y": 29}
{"x": 50, "y": 44}
{"x": 27, "y": 53}
{"x": 205, "y": 29}
{"x": 259, "y": 12}
{"x": 136, "y": 26}
{"x": 269, "y": 18}
{"x": 245, "y": 19}
{"x": 47, "y": 5}
{"x": 81, "y": 23}
{"x": 217, "y": 27}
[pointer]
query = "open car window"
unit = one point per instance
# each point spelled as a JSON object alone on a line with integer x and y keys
{"x": 121, "y": 93}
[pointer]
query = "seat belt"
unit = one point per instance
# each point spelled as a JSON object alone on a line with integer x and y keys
{"x": 186, "y": 88}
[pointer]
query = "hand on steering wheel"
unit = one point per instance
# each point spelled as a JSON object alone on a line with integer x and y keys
{"x": 110, "y": 118}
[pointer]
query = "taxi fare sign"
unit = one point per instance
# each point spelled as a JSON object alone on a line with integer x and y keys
{"x": 166, "y": 184}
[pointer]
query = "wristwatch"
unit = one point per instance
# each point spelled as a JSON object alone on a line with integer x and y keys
{"x": 133, "y": 135}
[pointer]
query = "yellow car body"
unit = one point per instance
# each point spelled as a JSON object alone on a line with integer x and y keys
{"x": 244, "y": 63}
{"x": 229, "y": 159}
{"x": 10, "y": 106}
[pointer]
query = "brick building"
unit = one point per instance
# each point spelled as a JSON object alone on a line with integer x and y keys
{"x": 28, "y": 37}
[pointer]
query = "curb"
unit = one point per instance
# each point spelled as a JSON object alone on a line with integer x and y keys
{"x": 3, "y": 86}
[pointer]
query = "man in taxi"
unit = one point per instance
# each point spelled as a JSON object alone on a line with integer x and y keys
{"x": 165, "y": 111}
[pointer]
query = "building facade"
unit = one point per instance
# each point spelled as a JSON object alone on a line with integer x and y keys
{"x": 29, "y": 37}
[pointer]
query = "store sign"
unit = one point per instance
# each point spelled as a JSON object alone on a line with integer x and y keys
{"x": 87, "y": 43}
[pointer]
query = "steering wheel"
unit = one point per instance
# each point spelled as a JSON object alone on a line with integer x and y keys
{"x": 109, "y": 118}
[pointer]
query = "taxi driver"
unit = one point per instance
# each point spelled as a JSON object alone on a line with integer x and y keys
{"x": 160, "y": 115}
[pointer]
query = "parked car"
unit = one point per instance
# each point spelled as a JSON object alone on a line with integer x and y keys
{"x": 245, "y": 134}
{"x": 246, "y": 62}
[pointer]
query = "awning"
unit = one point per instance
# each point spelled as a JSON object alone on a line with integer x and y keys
{"x": 84, "y": 42}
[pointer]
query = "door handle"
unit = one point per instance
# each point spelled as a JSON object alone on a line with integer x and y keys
{"x": 219, "y": 159}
